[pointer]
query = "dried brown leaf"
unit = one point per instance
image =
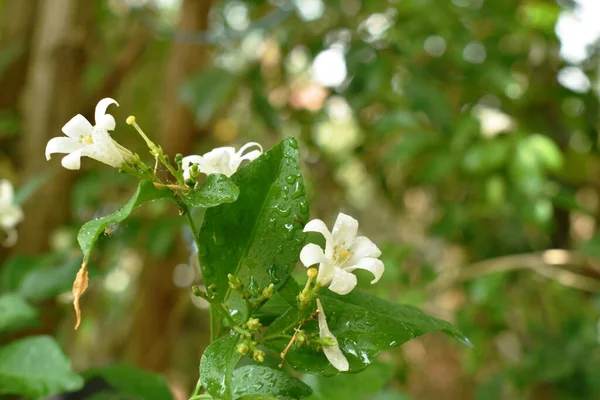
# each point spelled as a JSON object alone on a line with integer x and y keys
{"x": 80, "y": 285}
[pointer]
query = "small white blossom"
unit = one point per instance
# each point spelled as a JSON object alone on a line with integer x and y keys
{"x": 344, "y": 252}
{"x": 222, "y": 160}
{"x": 10, "y": 213}
{"x": 333, "y": 353}
{"x": 95, "y": 142}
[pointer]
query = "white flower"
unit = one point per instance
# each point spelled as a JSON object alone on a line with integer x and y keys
{"x": 10, "y": 213}
{"x": 222, "y": 160}
{"x": 333, "y": 353}
{"x": 344, "y": 252}
{"x": 95, "y": 142}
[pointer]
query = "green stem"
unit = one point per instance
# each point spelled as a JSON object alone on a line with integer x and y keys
{"x": 201, "y": 396}
{"x": 198, "y": 388}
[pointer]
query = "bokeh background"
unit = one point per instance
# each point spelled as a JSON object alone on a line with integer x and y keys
{"x": 462, "y": 134}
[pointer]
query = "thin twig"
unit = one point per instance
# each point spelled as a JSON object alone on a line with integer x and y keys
{"x": 289, "y": 345}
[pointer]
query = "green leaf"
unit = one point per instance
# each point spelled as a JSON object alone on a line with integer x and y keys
{"x": 260, "y": 235}
{"x": 264, "y": 381}
{"x": 89, "y": 233}
{"x": 264, "y": 109}
{"x": 16, "y": 313}
{"x": 217, "y": 189}
{"x": 35, "y": 367}
{"x": 217, "y": 366}
{"x": 354, "y": 386}
{"x": 545, "y": 150}
{"x": 487, "y": 156}
{"x": 50, "y": 279}
{"x": 132, "y": 382}
{"x": 364, "y": 326}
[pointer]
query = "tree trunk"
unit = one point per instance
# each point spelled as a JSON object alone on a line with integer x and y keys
{"x": 52, "y": 96}
{"x": 161, "y": 306}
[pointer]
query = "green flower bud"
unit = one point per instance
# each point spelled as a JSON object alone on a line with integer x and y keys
{"x": 234, "y": 282}
{"x": 253, "y": 324}
{"x": 243, "y": 349}
{"x": 259, "y": 356}
{"x": 300, "y": 337}
{"x": 267, "y": 292}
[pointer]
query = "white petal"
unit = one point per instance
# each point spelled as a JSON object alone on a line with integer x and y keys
{"x": 217, "y": 161}
{"x": 333, "y": 353}
{"x": 105, "y": 150}
{"x": 343, "y": 282}
{"x": 311, "y": 254}
{"x": 326, "y": 273}
{"x": 10, "y": 216}
{"x": 373, "y": 265}
{"x": 101, "y": 109}
{"x": 236, "y": 161}
{"x": 247, "y": 146}
{"x": 106, "y": 122}
{"x": 186, "y": 164}
{"x": 6, "y": 192}
{"x": 77, "y": 126}
{"x": 344, "y": 231}
{"x": 73, "y": 160}
{"x": 316, "y": 225}
{"x": 363, "y": 247}
{"x": 62, "y": 145}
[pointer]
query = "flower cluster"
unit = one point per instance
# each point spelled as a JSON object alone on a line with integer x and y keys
{"x": 344, "y": 253}
{"x": 10, "y": 213}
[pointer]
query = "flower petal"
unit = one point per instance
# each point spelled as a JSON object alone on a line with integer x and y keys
{"x": 186, "y": 164}
{"x": 11, "y": 237}
{"x": 316, "y": 225}
{"x": 62, "y": 145}
{"x": 247, "y": 146}
{"x": 333, "y": 353}
{"x": 101, "y": 110}
{"x": 363, "y": 247}
{"x": 373, "y": 265}
{"x": 235, "y": 162}
{"x": 10, "y": 216}
{"x": 77, "y": 126}
{"x": 6, "y": 192}
{"x": 217, "y": 161}
{"x": 105, "y": 150}
{"x": 73, "y": 160}
{"x": 326, "y": 273}
{"x": 343, "y": 282}
{"x": 311, "y": 254}
{"x": 106, "y": 123}
{"x": 344, "y": 231}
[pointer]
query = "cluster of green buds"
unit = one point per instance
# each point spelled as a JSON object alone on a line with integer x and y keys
{"x": 254, "y": 297}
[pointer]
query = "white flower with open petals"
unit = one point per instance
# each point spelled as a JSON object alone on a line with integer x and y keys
{"x": 333, "y": 353}
{"x": 85, "y": 140}
{"x": 222, "y": 160}
{"x": 344, "y": 253}
{"x": 10, "y": 213}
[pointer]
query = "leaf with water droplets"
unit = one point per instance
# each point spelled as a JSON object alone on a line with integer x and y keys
{"x": 217, "y": 365}
{"x": 263, "y": 381}
{"x": 217, "y": 189}
{"x": 132, "y": 383}
{"x": 262, "y": 230}
{"x": 364, "y": 325}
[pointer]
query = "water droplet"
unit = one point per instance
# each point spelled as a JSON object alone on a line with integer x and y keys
{"x": 298, "y": 191}
{"x": 272, "y": 223}
{"x": 293, "y": 144}
{"x": 291, "y": 179}
{"x": 304, "y": 206}
{"x": 274, "y": 274}
{"x": 285, "y": 211}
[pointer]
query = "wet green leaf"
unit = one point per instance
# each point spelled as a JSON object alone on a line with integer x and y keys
{"x": 217, "y": 189}
{"x": 260, "y": 235}
{"x": 36, "y": 367}
{"x": 89, "y": 233}
{"x": 263, "y": 381}
{"x": 364, "y": 325}
{"x": 217, "y": 367}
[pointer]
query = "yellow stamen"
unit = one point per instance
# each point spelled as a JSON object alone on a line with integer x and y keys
{"x": 312, "y": 273}
{"x": 130, "y": 120}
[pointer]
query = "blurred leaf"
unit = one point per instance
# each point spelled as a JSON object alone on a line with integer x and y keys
{"x": 16, "y": 313}
{"x": 217, "y": 189}
{"x": 217, "y": 367}
{"x": 264, "y": 381}
{"x": 208, "y": 91}
{"x": 271, "y": 209}
{"x": 264, "y": 109}
{"x": 486, "y": 156}
{"x": 49, "y": 279}
{"x": 545, "y": 150}
{"x": 352, "y": 386}
{"x": 36, "y": 367}
{"x": 132, "y": 382}
{"x": 394, "y": 121}
{"x": 89, "y": 233}
{"x": 31, "y": 186}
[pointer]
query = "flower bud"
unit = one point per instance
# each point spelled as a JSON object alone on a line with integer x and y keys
{"x": 253, "y": 324}
{"x": 259, "y": 356}
{"x": 243, "y": 349}
{"x": 312, "y": 273}
{"x": 234, "y": 282}
{"x": 300, "y": 337}
{"x": 267, "y": 292}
